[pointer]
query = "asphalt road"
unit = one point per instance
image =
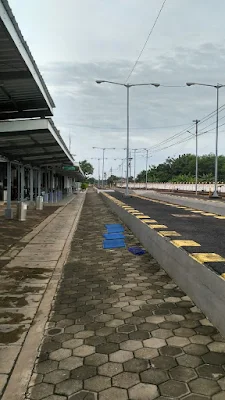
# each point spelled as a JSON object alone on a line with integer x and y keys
{"x": 208, "y": 231}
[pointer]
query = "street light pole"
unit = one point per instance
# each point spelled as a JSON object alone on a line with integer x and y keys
{"x": 128, "y": 139}
{"x": 128, "y": 86}
{"x": 217, "y": 87}
{"x": 196, "y": 121}
{"x": 103, "y": 165}
{"x": 146, "y": 173}
{"x": 103, "y": 159}
{"x": 135, "y": 150}
{"x": 215, "y": 194}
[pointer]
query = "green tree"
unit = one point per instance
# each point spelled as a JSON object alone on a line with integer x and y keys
{"x": 86, "y": 167}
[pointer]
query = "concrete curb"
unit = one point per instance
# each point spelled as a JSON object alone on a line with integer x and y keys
{"x": 19, "y": 380}
{"x": 202, "y": 285}
{"x": 198, "y": 204}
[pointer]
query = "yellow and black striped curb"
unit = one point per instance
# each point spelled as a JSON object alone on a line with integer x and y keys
{"x": 162, "y": 230}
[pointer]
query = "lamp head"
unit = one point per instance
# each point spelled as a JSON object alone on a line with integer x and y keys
{"x": 156, "y": 84}
{"x": 98, "y": 82}
{"x": 190, "y": 83}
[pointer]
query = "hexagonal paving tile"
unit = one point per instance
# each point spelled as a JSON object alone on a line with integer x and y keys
{"x": 195, "y": 397}
{"x": 117, "y": 337}
{"x": 183, "y": 374}
{"x": 195, "y": 349}
{"x": 174, "y": 389}
{"x": 125, "y": 380}
{"x": 204, "y": 386}
{"x": 200, "y": 339}
{"x": 83, "y": 351}
{"x": 126, "y": 328}
{"x": 83, "y": 372}
{"x": 184, "y": 332}
{"x": 154, "y": 343}
{"x": 143, "y": 391}
{"x": 178, "y": 341}
{"x": 60, "y": 354}
{"x": 146, "y": 353}
{"x": 97, "y": 383}
{"x": 154, "y": 376}
{"x": 210, "y": 371}
{"x": 113, "y": 393}
{"x": 68, "y": 387}
{"x": 107, "y": 348}
{"x": 71, "y": 363}
{"x": 121, "y": 356}
{"x": 171, "y": 351}
{"x": 136, "y": 365}
{"x": 218, "y": 347}
{"x": 56, "y": 376}
{"x": 110, "y": 369}
{"x": 131, "y": 345}
{"x": 187, "y": 360}
{"x": 96, "y": 359}
{"x": 84, "y": 394}
{"x": 163, "y": 362}
{"x": 72, "y": 343}
{"x": 214, "y": 358}
{"x": 46, "y": 366}
{"x": 41, "y": 390}
{"x": 219, "y": 396}
{"x": 162, "y": 333}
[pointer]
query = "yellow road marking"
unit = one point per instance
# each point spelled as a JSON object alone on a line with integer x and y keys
{"x": 158, "y": 226}
{"x": 222, "y": 276}
{"x": 149, "y": 221}
{"x": 208, "y": 214}
{"x": 220, "y": 217}
{"x": 183, "y": 243}
{"x": 197, "y": 211}
{"x": 207, "y": 257}
{"x": 143, "y": 216}
{"x": 169, "y": 233}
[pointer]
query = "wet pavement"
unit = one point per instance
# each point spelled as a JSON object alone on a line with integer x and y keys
{"x": 26, "y": 271}
{"x": 120, "y": 328}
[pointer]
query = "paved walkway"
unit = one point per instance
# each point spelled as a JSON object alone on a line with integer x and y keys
{"x": 30, "y": 273}
{"x": 121, "y": 329}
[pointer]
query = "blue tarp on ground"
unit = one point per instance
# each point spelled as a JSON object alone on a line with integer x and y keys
{"x": 110, "y": 236}
{"x": 114, "y": 228}
{"x": 113, "y": 244}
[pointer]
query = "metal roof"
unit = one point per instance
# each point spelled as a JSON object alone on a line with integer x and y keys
{"x": 36, "y": 142}
{"x": 23, "y": 93}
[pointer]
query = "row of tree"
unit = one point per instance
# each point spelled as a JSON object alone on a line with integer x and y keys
{"x": 182, "y": 169}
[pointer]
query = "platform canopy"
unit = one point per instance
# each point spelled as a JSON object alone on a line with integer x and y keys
{"x": 36, "y": 142}
{"x": 23, "y": 93}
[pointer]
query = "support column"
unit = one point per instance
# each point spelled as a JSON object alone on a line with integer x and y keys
{"x": 18, "y": 182}
{"x": 22, "y": 183}
{"x": 51, "y": 199}
{"x": 9, "y": 211}
{"x": 31, "y": 185}
{"x": 39, "y": 182}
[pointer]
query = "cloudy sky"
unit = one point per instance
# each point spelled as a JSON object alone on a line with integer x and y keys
{"x": 75, "y": 42}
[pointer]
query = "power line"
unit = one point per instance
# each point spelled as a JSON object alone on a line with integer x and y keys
{"x": 148, "y": 37}
{"x": 119, "y": 129}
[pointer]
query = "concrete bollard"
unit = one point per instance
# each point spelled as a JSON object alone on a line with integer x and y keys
{"x": 39, "y": 203}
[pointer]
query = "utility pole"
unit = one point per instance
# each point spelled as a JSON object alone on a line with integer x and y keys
{"x": 69, "y": 142}
{"x": 135, "y": 150}
{"x": 103, "y": 159}
{"x": 146, "y": 172}
{"x": 196, "y": 121}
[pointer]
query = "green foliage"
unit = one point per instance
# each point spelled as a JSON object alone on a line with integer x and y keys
{"x": 112, "y": 180}
{"x": 86, "y": 167}
{"x": 182, "y": 169}
{"x": 84, "y": 185}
